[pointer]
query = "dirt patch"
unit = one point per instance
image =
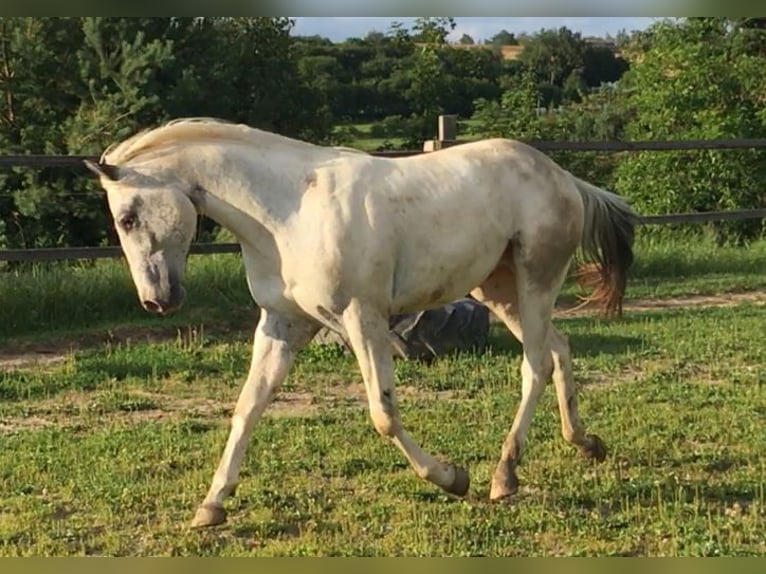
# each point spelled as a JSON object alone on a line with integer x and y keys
{"x": 81, "y": 410}
{"x": 685, "y": 302}
{"x": 14, "y": 424}
{"x": 79, "y": 416}
{"x": 35, "y": 354}
{"x": 37, "y": 360}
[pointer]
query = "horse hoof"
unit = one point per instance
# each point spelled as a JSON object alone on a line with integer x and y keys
{"x": 500, "y": 497}
{"x": 594, "y": 448}
{"x": 505, "y": 483}
{"x": 502, "y": 492}
{"x": 462, "y": 482}
{"x": 208, "y": 515}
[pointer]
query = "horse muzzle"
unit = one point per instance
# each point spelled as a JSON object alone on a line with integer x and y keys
{"x": 165, "y": 305}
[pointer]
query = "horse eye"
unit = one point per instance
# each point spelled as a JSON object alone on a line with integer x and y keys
{"x": 128, "y": 222}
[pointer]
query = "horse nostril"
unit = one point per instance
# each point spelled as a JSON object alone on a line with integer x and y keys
{"x": 152, "y": 306}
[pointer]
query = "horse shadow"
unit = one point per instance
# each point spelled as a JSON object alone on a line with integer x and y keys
{"x": 581, "y": 344}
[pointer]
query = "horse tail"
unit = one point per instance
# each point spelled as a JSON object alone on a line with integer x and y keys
{"x": 607, "y": 243}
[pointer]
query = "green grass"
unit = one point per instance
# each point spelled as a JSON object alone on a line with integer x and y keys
{"x": 110, "y": 451}
{"x": 54, "y": 299}
{"x": 695, "y": 266}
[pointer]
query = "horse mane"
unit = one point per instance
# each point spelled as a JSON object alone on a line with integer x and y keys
{"x": 191, "y": 129}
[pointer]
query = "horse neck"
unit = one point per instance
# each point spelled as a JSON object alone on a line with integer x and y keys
{"x": 250, "y": 191}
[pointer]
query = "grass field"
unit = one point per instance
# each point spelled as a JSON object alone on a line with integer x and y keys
{"x": 108, "y": 449}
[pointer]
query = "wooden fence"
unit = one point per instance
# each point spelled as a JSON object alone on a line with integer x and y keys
{"x": 446, "y": 139}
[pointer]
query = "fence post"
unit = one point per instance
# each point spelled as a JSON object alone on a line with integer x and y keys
{"x": 447, "y": 133}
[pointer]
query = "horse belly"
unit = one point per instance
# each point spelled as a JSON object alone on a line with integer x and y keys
{"x": 436, "y": 276}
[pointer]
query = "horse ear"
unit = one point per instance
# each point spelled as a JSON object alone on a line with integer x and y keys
{"x": 103, "y": 169}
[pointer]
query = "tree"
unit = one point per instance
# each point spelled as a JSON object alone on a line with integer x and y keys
{"x": 432, "y": 30}
{"x": 702, "y": 78}
{"x": 429, "y": 80}
{"x": 601, "y": 66}
{"x": 503, "y": 38}
{"x": 515, "y": 116}
{"x": 567, "y": 66}
{"x": 89, "y": 81}
{"x": 75, "y": 85}
{"x": 37, "y": 72}
{"x": 466, "y": 40}
{"x": 600, "y": 116}
{"x": 469, "y": 75}
{"x": 553, "y": 55}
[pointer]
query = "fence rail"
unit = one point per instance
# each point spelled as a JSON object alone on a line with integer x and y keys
{"x": 616, "y": 146}
{"x": 106, "y": 252}
{"x": 76, "y": 162}
{"x": 111, "y": 252}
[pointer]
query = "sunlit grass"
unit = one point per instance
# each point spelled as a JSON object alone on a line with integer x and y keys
{"x": 110, "y": 451}
{"x": 47, "y": 299}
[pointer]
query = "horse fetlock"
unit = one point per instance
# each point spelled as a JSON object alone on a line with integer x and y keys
{"x": 230, "y": 489}
{"x": 573, "y": 436}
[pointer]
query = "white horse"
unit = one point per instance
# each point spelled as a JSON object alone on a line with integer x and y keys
{"x": 343, "y": 239}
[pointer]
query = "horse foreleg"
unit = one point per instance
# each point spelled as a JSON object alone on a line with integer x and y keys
{"x": 367, "y": 330}
{"x": 276, "y": 343}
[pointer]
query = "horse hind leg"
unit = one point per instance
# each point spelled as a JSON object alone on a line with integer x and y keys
{"x": 525, "y": 305}
{"x": 526, "y": 313}
{"x": 572, "y": 428}
{"x": 534, "y": 310}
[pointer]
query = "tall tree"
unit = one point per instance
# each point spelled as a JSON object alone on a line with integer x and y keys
{"x": 554, "y": 55}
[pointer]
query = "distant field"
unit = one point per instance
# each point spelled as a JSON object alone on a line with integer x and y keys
{"x": 112, "y": 422}
{"x": 366, "y": 142}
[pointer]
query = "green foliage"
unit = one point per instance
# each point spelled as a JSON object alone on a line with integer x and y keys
{"x": 409, "y": 72}
{"x": 41, "y": 89}
{"x": 566, "y": 66}
{"x": 700, "y": 78}
{"x": 518, "y": 115}
{"x": 391, "y": 127}
{"x": 503, "y": 38}
{"x": 703, "y": 78}
{"x": 600, "y": 116}
{"x": 515, "y": 116}
{"x": 76, "y": 85}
